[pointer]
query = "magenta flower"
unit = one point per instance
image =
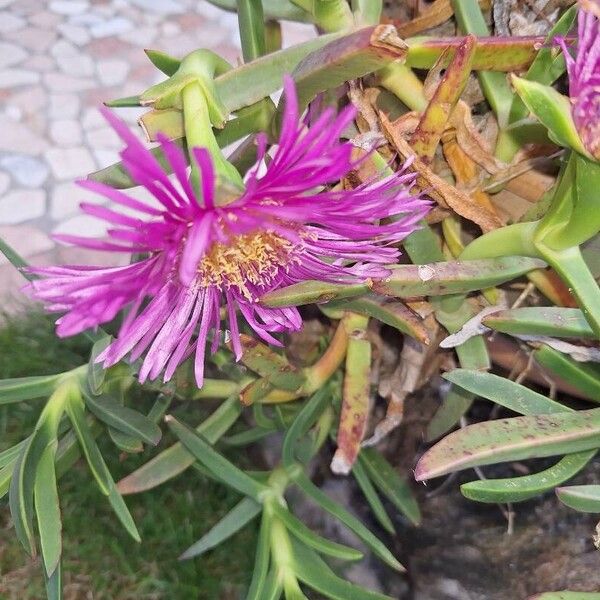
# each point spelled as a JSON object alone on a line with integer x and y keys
{"x": 205, "y": 262}
{"x": 584, "y": 76}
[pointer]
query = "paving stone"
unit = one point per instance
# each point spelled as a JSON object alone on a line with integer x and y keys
{"x": 29, "y": 100}
{"x": 105, "y": 158}
{"x": 35, "y": 39}
{"x": 10, "y": 22}
{"x": 76, "y": 66}
{"x": 45, "y": 20}
{"x": 63, "y": 106}
{"x": 68, "y": 7}
{"x": 11, "y": 54}
{"x": 84, "y": 225}
{"x": 18, "y": 137}
{"x": 40, "y": 63}
{"x": 164, "y": 7}
{"x": 61, "y": 82}
{"x": 10, "y": 78}
{"x": 74, "y": 33}
{"x": 141, "y": 36}
{"x": 110, "y": 27}
{"x": 92, "y": 119}
{"x": 66, "y": 198}
{"x": 103, "y": 138}
{"x": 71, "y": 60}
{"x": 70, "y": 163}
{"x": 26, "y": 240}
{"x": 19, "y": 206}
{"x": 112, "y": 72}
{"x": 4, "y": 182}
{"x": 65, "y": 132}
{"x": 26, "y": 170}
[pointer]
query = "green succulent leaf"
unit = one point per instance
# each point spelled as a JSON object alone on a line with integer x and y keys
{"x": 584, "y": 498}
{"x": 126, "y": 420}
{"x": 311, "y": 539}
{"x": 237, "y": 518}
{"x": 584, "y": 377}
{"x": 125, "y": 442}
{"x": 390, "y": 484}
{"x": 552, "y": 109}
{"x": 47, "y": 508}
{"x": 261, "y": 560}
{"x": 96, "y": 372}
{"x": 27, "y": 388}
{"x": 221, "y": 468}
{"x": 552, "y": 321}
{"x": 53, "y": 583}
{"x": 312, "y": 570}
{"x": 566, "y": 595}
{"x": 517, "y": 489}
{"x": 454, "y": 405}
{"x": 354, "y": 524}
{"x": 504, "y": 392}
{"x": 370, "y": 493}
{"x": 176, "y": 459}
{"x": 518, "y": 438}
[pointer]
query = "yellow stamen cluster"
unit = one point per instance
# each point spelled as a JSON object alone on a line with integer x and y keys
{"x": 250, "y": 258}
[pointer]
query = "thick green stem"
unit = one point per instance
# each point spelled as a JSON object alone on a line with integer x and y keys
{"x": 199, "y": 133}
{"x": 404, "y": 84}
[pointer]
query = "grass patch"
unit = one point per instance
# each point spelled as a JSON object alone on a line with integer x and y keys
{"x": 100, "y": 561}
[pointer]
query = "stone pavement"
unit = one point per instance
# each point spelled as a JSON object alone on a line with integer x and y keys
{"x": 59, "y": 59}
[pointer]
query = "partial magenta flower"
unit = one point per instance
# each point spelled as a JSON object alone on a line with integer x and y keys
{"x": 204, "y": 261}
{"x": 584, "y": 76}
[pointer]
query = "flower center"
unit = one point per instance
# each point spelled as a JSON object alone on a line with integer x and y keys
{"x": 253, "y": 258}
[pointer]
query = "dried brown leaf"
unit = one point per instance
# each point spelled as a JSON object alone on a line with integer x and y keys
{"x": 441, "y": 191}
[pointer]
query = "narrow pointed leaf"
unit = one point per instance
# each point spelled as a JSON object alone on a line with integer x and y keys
{"x": 390, "y": 484}
{"x": 176, "y": 459}
{"x": 96, "y": 372}
{"x": 215, "y": 462}
{"x": 306, "y": 418}
{"x": 163, "y": 61}
{"x": 27, "y": 388}
{"x": 54, "y": 584}
{"x": 261, "y": 560}
{"x": 552, "y": 109}
{"x": 88, "y": 445}
{"x": 10, "y": 455}
{"x": 584, "y": 498}
{"x": 354, "y": 524}
{"x": 517, "y": 489}
{"x": 311, "y": 539}
{"x": 553, "y": 321}
{"x": 124, "y": 419}
{"x": 583, "y": 376}
{"x": 47, "y": 509}
{"x": 518, "y": 438}
{"x": 239, "y": 516}
{"x": 370, "y": 493}
{"x": 125, "y": 442}
{"x": 118, "y": 505}
{"x": 316, "y": 574}
{"x": 22, "y": 487}
{"x": 507, "y": 393}
{"x": 454, "y": 405}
